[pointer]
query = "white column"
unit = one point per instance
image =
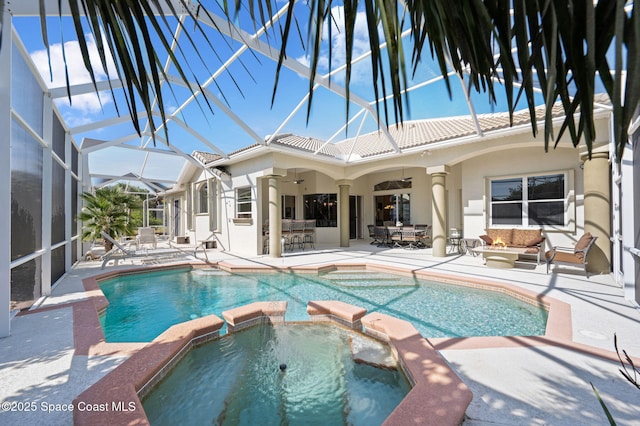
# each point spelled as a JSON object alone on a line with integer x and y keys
{"x": 68, "y": 214}
{"x": 275, "y": 216}
{"x": 5, "y": 176}
{"x": 84, "y": 185}
{"x": 47, "y": 169}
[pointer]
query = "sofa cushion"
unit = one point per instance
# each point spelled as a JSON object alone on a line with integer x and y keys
{"x": 487, "y": 239}
{"x": 504, "y": 235}
{"x": 522, "y": 237}
{"x": 535, "y": 241}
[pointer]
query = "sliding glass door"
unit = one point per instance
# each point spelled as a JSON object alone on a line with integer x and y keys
{"x": 393, "y": 208}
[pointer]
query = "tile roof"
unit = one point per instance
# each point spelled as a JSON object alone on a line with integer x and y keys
{"x": 417, "y": 133}
{"x": 307, "y": 144}
{"x": 414, "y": 133}
{"x": 205, "y": 157}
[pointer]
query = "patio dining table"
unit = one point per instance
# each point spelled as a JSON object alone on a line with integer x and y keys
{"x": 406, "y": 235}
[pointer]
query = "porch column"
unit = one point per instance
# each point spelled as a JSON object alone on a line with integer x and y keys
{"x": 5, "y": 175}
{"x": 439, "y": 209}
{"x": 275, "y": 215}
{"x": 343, "y": 206}
{"x": 597, "y": 209}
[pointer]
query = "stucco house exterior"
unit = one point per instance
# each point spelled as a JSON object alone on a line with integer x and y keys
{"x": 446, "y": 173}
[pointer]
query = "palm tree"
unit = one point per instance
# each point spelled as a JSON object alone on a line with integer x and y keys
{"x": 559, "y": 47}
{"x": 106, "y": 210}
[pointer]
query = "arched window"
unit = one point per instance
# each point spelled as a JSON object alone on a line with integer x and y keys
{"x": 203, "y": 199}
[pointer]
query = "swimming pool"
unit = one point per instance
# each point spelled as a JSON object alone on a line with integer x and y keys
{"x": 141, "y": 306}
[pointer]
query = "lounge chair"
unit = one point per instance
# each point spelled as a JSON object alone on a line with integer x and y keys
{"x": 146, "y": 235}
{"x": 117, "y": 252}
{"x": 120, "y": 252}
{"x": 576, "y": 256}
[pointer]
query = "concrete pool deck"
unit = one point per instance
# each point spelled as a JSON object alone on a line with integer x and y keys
{"x": 41, "y": 372}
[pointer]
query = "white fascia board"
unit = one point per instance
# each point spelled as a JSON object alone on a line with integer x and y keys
{"x": 82, "y": 89}
{"x": 105, "y": 123}
{"x": 131, "y": 176}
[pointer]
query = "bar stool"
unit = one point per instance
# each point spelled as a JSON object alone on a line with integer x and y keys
{"x": 309, "y": 233}
{"x": 286, "y": 233}
{"x": 297, "y": 233}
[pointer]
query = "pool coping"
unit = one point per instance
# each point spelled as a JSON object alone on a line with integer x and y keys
{"x": 89, "y": 338}
{"x": 437, "y": 396}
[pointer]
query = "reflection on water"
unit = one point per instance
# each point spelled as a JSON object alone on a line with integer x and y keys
{"x": 142, "y": 306}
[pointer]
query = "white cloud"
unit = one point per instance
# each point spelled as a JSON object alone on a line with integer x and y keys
{"x": 323, "y": 61}
{"x": 361, "y": 71}
{"x": 86, "y": 103}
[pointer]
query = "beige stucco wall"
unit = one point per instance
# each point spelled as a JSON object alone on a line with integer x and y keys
{"x": 420, "y": 193}
{"x": 469, "y": 165}
{"x": 475, "y": 172}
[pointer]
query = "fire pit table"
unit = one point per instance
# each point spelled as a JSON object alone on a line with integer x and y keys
{"x": 500, "y": 258}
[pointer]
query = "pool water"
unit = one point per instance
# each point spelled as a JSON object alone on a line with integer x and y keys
{"x": 236, "y": 380}
{"x": 142, "y": 306}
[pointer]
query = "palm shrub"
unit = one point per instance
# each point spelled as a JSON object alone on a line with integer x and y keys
{"x": 106, "y": 210}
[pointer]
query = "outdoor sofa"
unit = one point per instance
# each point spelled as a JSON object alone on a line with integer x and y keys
{"x": 531, "y": 240}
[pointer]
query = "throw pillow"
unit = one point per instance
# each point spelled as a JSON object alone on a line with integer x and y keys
{"x": 534, "y": 241}
{"x": 487, "y": 239}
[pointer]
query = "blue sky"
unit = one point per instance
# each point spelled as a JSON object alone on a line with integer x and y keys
{"x": 246, "y": 88}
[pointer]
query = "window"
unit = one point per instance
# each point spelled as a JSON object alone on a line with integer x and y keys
{"x": 393, "y": 184}
{"x": 506, "y": 202}
{"x": 323, "y": 208}
{"x": 288, "y": 207}
{"x": 394, "y": 208}
{"x": 203, "y": 199}
{"x": 542, "y": 204}
{"x": 243, "y": 202}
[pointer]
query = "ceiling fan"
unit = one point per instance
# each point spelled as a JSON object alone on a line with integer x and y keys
{"x": 295, "y": 179}
{"x": 405, "y": 179}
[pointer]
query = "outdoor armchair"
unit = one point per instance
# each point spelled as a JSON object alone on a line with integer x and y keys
{"x": 576, "y": 256}
{"x": 146, "y": 235}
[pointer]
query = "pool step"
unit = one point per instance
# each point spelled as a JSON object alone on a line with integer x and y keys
{"x": 209, "y": 271}
{"x": 367, "y": 279}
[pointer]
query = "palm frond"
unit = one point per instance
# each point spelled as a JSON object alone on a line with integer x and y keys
{"x": 561, "y": 47}
{"x": 610, "y": 418}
